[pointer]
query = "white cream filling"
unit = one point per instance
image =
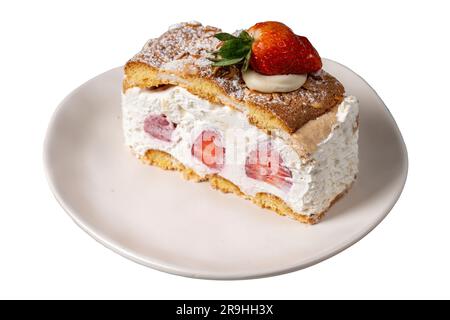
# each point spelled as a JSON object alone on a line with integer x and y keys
{"x": 276, "y": 83}
{"x": 329, "y": 172}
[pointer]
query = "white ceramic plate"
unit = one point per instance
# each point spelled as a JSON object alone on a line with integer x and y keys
{"x": 156, "y": 218}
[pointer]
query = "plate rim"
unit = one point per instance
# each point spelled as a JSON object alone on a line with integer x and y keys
{"x": 167, "y": 268}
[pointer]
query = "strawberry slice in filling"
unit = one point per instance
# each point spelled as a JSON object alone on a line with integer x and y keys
{"x": 159, "y": 127}
{"x": 265, "y": 164}
{"x": 208, "y": 148}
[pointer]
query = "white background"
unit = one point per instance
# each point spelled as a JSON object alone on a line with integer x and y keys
{"x": 48, "y": 48}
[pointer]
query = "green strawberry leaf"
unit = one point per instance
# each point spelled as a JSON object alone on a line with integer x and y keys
{"x": 222, "y": 36}
{"x": 246, "y": 61}
{"x": 234, "y": 50}
{"x": 245, "y": 36}
{"x": 227, "y": 62}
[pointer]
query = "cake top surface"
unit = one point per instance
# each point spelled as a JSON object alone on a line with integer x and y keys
{"x": 184, "y": 50}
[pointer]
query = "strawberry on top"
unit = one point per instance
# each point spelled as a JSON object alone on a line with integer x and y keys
{"x": 270, "y": 48}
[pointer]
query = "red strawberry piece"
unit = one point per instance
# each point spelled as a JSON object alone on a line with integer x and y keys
{"x": 276, "y": 49}
{"x": 208, "y": 148}
{"x": 311, "y": 59}
{"x": 159, "y": 127}
{"x": 265, "y": 164}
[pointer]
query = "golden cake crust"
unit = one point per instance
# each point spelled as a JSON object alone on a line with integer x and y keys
{"x": 165, "y": 161}
{"x": 180, "y": 57}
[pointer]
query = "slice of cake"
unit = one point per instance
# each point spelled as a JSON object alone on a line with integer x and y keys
{"x": 253, "y": 113}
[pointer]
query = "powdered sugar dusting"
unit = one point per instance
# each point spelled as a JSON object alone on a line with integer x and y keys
{"x": 183, "y": 45}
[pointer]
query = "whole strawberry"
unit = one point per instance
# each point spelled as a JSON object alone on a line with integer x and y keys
{"x": 270, "y": 48}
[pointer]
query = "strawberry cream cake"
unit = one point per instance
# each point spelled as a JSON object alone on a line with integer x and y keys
{"x": 251, "y": 112}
